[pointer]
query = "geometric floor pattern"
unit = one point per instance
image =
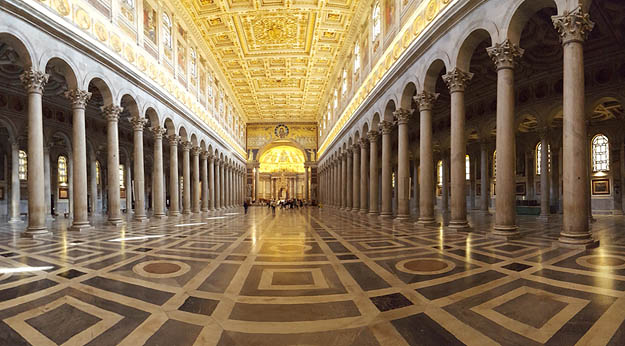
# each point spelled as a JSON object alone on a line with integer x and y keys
{"x": 310, "y": 277}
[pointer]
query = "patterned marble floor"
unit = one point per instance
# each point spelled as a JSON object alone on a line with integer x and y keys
{"x": 310, "y": 277}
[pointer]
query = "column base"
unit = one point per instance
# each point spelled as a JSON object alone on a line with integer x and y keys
{"x": 186, "y": 212}
{"x": 364, "y": 211}
{"x": 35, "y": 232}
{"x": 543, "y": 218}
{"x": 426, "y": 221}
{"x": 16, "y": 221}
{"x": 115, "y": 222}
{"x": 459, "y": 225}
{"x": 174, "y": 213}
{"x": 577, "y": 241}
{"x": 374, "y": 213}
{"x": 205, "y": 210}
{"x": 159, "y": 216}
{"x": 140, "y": 218}
{"x": 81, "y": 227}
{"x": 403, "y": 217}
{"x": 506, "y": 232}
{"x": 386, "y": 215}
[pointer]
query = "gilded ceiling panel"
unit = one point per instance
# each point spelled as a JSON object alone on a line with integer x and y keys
{"x": 277, "y": 54}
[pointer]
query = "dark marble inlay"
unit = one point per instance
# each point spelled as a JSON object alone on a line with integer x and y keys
{"x": 292, "y": 278}
{"x": 459, "y": 285}
{"x": 366, "y": 278}
{"x": 70, "y": 274}
{"x": 420, "y": 329}
{"x": 176, "y": 333}
{"x": 220, "y": 278}
{"x": 74, "y": 322}
{"x": 199, "y": 305}
{"x": 337, "y": 247}
{"x": 348, "y": 337}
{"x": 9, "y": 254}
{"x": 509, "y": 248}
{"x": 531, "y": 309}
{"x": 516, "y": 266}
{"x": 391, "y": 301}
{"x": 589, "y": 280}
{"x": 28, "y": 288}
{"x": 135, "y": 291}
{"x": 293, "y": 312}
{"x": 476, "y": 256}
{"x": 347, "y": 257}
{"x": 161, "y": 268}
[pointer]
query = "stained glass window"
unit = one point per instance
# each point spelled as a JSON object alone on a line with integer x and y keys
{"x": 377, "y": 23}
{"x": 121, "y": 176}
{"x": 539, "y": 157}
{"x": 439, "y": 170}
{"x": 22, "y": 165}
{"x": 62, "y": 170}
{"x": 467, "y": 167}
{"x": 356, "y": 58}
{"x": 600, "y": 154}
{"x": 167, "y": 39}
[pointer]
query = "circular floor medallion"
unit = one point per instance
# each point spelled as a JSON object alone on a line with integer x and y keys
{"x": 425, "y": 266}
{"x": 290, "y": 248}
{"x": 160, "y": 269}
{"x": 602, "y": 261}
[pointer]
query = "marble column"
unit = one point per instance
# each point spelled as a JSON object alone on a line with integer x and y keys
{"x": 504, "y": 56}
{"x": 186, "y": 178}
{"x": 356, "y": 178}
{"x": 79, "y": 99}
{"x": 336, "y": 183}
{"x": 129, "y": 190}
{"x": 484, "y": 177}
{"x": 138, "y": 123}
{"x": 34, "y": 81}
{"x": 93, "y": 184}
{"x": 306, "y": 184}
{"x": 457, "y": 80}
{"x": 14, "y": 191}
{"x": 157, "y": 174}
{"x": 256, "y": 181}
{"x": 403, "y": 164}
{"x": 174, "y": 183}
{"x": 48, "y": 182}
{"x": 622, "y": 181}
{"x": 211, "y": 182}
{"x": 373, "y": 173}
{"x": 217, "y": 181}
{"x": 364, "y": 174}
{"x": 544, "y": 175}
{"x": 222, "y": 184}
{"x": 574, "y": 28}
{"x": 349, "y": 182}
{"x": 196, "y": 180}
{"x": 205, "y": 183}
{"x": 111, "y": 113}
{"x": 387, "y": 169}
{"x": 445, "y": 183}
{"x": 426, "y": 100}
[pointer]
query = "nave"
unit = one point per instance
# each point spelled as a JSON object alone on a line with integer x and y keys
{"x": 313, "y": 276}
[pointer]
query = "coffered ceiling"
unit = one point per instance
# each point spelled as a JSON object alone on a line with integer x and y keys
{"x": 278, "y": 55}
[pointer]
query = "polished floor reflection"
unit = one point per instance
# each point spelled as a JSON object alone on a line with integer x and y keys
{"x": 310, "y": 277}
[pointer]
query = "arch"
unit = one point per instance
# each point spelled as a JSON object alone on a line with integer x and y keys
{"x": 20, "y": 44}
{"x": 375, "y": 121}
{"x": 182, "y": 132}
{"x": 365, "y": 129}
{"x": 169, "y": 125}
{"x": 468, "y": 46}
{"x": 129, "y": 103}
{"x": 8, "y": 124}
{"x": 152, "y": 115}
{"x": 203, "y": 145}
{"x": 519, "y": 14}
{"x": 390, "y": 107}
{"x": 64, "y": 68}
{"x": 432, "y": 74}
{"x": 410, "y": 90}
{"x": 194, "y": 140}
{"x": 103, "y": 86}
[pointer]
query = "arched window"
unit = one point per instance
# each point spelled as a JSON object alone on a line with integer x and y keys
{"x": 494, "y": 164}
{"x": 375, "y": 19}
{"x": 336, "y": 99}
{"x": 167, "y": 39}
{"x": 344, "y": 85}
{"x": 467, "y": 167}
{"x": 210, "y": 85}
{"x": 439, "y": 175}
{"x": 62, "y": 170}
{"x": 356, "y": 58}
{"x": 121, "y": 177}
{"x": 193, "y": 63}
{"x": 22, "y": 166}
{"x": 600, "y": 153}
{"x": 539, "y": 157}
{"x": 97, "y": 172}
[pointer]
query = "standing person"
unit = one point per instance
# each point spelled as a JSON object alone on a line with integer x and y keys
{"x": 273, "y": 207}
{"x": 245, "y": 205}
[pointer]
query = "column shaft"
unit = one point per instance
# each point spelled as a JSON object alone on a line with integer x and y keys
{"x": 186, "y": 178}
{"x": 403, "y": 165}
{"x": 364, "y": 175}
{"x": 387, "y": 176}
{"x": 174, "y": 183}
{"x": 373, "y": 173}
{"x": 157, "y": 175}
{"x": 139, "y": 169}
{"x": 426, "y": 161}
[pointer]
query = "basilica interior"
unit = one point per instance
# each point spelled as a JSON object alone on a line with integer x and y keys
{"x": 312, "y": 172}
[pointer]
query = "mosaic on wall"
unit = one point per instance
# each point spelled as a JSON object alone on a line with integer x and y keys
{"x": 259, "y": 135}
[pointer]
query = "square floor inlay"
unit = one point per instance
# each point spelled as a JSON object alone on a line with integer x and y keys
{"x": 293, "y": 278}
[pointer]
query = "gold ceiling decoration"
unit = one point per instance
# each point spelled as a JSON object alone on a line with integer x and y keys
{"x": 283, "y": 158}
{"x": 278, "y": 55}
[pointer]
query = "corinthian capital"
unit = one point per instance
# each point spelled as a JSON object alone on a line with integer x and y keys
{"x": 573, "y": 26}
{"x": 505, "y": 54}
{"x": 364, "y": 143}
{"x": 402, "y": 115}
{"x": 457, "y": 79}
{"x": 387, "y": 127}
{"x": 111, "y": 112}
{"x": 138, "y": 123}
{"x": 186, "y": 145}
{"x": 373, "y": 136}
{"x": 158, "y": 132}
{"x": 33, "y": 80}
{"x": 173, "y": 139}
{"x": 426, "y": 100}
{"x": 196, "y": 151}
{"x": 78, "y": 98}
